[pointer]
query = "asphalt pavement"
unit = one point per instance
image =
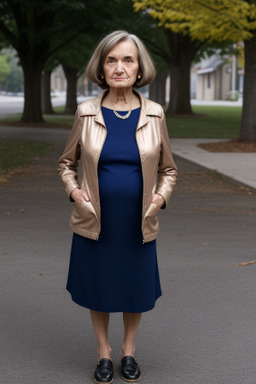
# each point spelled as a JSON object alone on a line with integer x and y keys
{"x": 202, "y": 330}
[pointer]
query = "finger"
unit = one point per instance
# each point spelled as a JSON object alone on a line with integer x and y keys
{"x": 155, "y": 198}
{"x": 74, "y": 194}
{"x": 85, "y": 196}
{"x": 158, "y": 199}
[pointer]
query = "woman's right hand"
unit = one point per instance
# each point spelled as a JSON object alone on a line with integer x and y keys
{"x": 79, "y": 195}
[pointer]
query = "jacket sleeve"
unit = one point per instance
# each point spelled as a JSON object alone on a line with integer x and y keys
{"x": 68, "y": 162}
{"x": 167, "y": 169}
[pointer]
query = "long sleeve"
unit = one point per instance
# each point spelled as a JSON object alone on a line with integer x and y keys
{"x": 68, "y": 162}
{"x": 167, "y": 169}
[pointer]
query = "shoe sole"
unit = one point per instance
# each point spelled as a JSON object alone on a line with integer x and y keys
{"x": 103, "y": 382}
{"x": 131, "y": 381}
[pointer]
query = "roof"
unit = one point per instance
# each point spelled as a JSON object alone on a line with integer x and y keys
{"x": 211, "y": 67}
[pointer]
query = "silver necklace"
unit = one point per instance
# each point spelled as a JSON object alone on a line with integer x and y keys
{"x": 121, "y": 116}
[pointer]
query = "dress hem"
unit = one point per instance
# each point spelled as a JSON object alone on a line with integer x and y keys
{"x": 112, "y": 311}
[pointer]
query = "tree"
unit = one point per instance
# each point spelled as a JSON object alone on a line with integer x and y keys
{"x": 47, "y": 107}
{"x": 31, "y": 27}
{"x": 157, "y": 90}
{"x": 37, "y": 29}
{"x": 215, "y": 20}
{"x": 182, "y": 53}
{"x": 4, "y": 69}
{"x": 73, "y": 60}
{"x": 178, "y": 51}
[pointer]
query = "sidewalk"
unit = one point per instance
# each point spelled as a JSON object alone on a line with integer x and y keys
{"x": 239, "y": 167}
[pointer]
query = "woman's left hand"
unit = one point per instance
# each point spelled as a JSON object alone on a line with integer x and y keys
{"x": 158, "y": 199}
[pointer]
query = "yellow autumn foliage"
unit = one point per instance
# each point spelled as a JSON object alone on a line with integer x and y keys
{"x": 204, "y": 19}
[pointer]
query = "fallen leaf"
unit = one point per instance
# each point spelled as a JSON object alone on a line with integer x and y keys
{"x": 248, "y": 263}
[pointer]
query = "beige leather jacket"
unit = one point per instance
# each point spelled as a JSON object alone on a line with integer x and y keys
{"x": 86, "y": 142}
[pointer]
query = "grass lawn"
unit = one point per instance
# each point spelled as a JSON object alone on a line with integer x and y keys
{"x": 57, "y": 121}
{"x": 14, "y": 154}
{"x": 59, "y": 109}
{"x": 208, "y": 122}
{"x": 60, "y": 120}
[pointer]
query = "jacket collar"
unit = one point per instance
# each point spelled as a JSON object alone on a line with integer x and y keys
{"x": 92, "y": 107}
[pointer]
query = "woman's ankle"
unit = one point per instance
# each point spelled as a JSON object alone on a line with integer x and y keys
{"x": 128, "y": 350}
{"x": 104, "y": 353}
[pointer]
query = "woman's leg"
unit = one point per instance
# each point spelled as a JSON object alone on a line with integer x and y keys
{"x": 100, "y": 321}
{"x": 131, "y": 325}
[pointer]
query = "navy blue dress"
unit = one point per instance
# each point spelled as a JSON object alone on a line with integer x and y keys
{"x": 117, "y": 273}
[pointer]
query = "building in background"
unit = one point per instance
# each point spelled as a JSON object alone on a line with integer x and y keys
{"x": 218, "y": 79}
{"x": 58, "y": 80}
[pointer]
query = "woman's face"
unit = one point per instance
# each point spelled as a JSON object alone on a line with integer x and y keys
{"x": 121, "y": 65}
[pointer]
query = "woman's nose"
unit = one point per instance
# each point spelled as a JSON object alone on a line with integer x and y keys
{"x": 119, "y": 66}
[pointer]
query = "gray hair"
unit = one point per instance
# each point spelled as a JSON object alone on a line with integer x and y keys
{"x": 94, "y": 69}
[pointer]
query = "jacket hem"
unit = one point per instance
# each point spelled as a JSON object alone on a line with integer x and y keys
{"x": 84, "y": 232}
{"x": 150, "y": 237}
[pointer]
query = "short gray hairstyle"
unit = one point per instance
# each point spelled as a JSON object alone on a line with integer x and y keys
{"x": 94, "y": 69}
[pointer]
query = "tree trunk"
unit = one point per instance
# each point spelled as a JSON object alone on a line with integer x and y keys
{"x": 183, "y": 50}
{"x": 46, "y": 93}
{"x": 32, "y": 111}
{"x": 179, "y": 102}
{"x": 248, "y": 126}
{"x": 71, "y": 101}
{"x": 157, "y": 89}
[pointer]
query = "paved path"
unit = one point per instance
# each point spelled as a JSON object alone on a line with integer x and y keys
{"x": 202, "y": 330}
{"x": 240, "y": 167}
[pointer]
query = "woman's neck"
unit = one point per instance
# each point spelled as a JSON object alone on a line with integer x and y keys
{"x": 121, "y": 99}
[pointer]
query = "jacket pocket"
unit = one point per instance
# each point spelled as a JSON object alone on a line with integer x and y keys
{"x": 151, "y": 223}
{"x": 152, "y": 210}
{"x": 84, "y": 216}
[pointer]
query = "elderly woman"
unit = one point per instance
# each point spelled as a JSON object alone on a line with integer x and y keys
{"x": 128, "y": 174}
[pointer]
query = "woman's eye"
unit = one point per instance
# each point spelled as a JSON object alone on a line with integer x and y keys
{"x": 128, "y": 60}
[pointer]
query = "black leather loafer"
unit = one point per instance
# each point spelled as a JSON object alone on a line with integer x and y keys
{"x": 104, "y": 372}
{"x": 130, "y": 369}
